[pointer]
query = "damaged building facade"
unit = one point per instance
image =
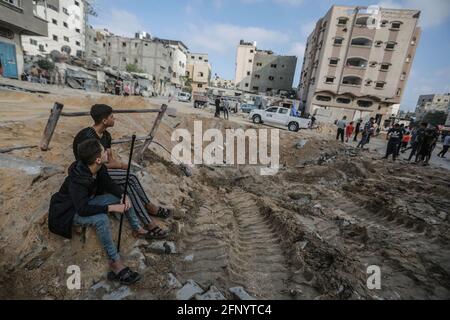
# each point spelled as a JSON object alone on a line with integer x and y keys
{"x": 198, "y": 71}
{"x": 357, "y": 62}
{"x": 66, "y": 28}
{"x": 165, "y": 60}
{"x": 17, "y": 18}
{"x": 262, "y": 71}
{"x": 432, "y": 103}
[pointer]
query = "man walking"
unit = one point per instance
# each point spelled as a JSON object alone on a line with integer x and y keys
{"x": 367, "y": 131}
{"x": 357, "y": 130}
{"x": 217, "y": 103}
{"x": 417, "y": 141}
{"x": 341, "y": 124}
{"x": 446, "y": 147}
{"x": 394, "y": 137}
{"x": 226, "y": 109}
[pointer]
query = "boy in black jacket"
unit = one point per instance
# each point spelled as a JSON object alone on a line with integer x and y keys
{"x": 86, "y": 198}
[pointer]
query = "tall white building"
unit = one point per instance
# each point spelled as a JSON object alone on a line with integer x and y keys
{"x": 66, "y": 28}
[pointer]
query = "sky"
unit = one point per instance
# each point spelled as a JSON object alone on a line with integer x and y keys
{"x": 216, "y": 26}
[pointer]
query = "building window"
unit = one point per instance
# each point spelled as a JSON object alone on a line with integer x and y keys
{"x": 271, "y": 78}
{"x": 200, "y": 85}
{"x": 65, "y": 11}
{"x": 200, "y": 58}
{"x": 66, "y": 39}
{"x": 41, "y": 48}
{"x": 380, "y": 85}
{"x": 55, "y": 38}
{"x": 334, "y": 61}
{"x": 356, "y": 63}
{"x": 385, "y": 66}
{"x": 338, "y": 41}
{"x": 248, "y": 73}
{"x": 200, "y": 74}
{"x": 329, "y": 80}
{"x": 408, "y": 59}
{"x": 78, "y": 43}
{"x": 256, "y": 88}
{"x": 399, "y": 92}
{"x": 124, "y": 44}
{"x": 342, "y": 21}
{"x": 352, "y": 81}
{"x": 54, "y": 21}
{"x": 323, "y": 98}
{"x": 362, "y": 42}
{"x": 250, "y": 60}
{"x": 246, "y": 85}
{"x": 362, "y": 22}
{"x": 33, "y": 42}
{"x": 384, "y": 23}
{"x": 364, "y": 103}
{"x": 395, "y": 25}
{"x": 77, "y": 30}
{"x": 251, "y": 51}
{"x": 403, "y": 76}
{"x": 124, "y": 59}
{"x": 390, "y": 45}
{"x": 269, "y": 89}
{"x": 414, "y": 41}
{"x": 77, "y": 3}
{"x": 273, "y": 66}
{"x": 369, "y": 82}
{"x": 378, "y": 43}
{"x": 259, "y": 64}
{"x": 373, "y": 64}
{"x": 65, "y": 25}
{"x": 257, "y": 76}
{"x": 343, "y": 100}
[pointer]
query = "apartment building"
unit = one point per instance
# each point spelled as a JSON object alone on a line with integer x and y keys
{"x": 262, "y": 71}
{"x": 66, "y": 28}
{"x": 432, "y": 103}
{"x": 164, "y": 59}
{"x": 357, "y": 62}
{"x": 17, "y": 18}
{"x": 198, "y": 70}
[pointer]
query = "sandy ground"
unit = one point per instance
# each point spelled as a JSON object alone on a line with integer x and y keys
{"x": 309, "y": 232}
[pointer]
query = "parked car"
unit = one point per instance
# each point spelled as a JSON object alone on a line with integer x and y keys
{"x": 279, "y": 116}
{"x": 200, "y": 100}
{"x": 184, "y": 97}
{"x": 247, "y": 107}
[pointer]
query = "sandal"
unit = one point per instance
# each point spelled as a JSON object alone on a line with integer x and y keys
{"x": 126, "y": 277}
{"x": 164, "y": 213}
{"x": 156, "y": 234}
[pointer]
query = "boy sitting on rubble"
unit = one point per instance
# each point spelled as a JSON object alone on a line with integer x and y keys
{"x": 103, "y": 119}
{"x": 86, "y": 198}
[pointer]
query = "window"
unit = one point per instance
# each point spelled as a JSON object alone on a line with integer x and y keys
{"x": 273, "y": 66}
{"x": 352, "y": 81}
{"x": 380, "y": 85}
{"x": 364, "y": 103}
{"x": 250, "y": 60}
{"x": 251, "y": 51}
{"x": 384, "y": 23}
{"x": 77, "y": 30}
{"x": 259, "y": 64}
{"x": 256, "y": 88}
{"x": 272, "y": 110}
{"x": 369, "y": 82}
{"x": 14, "y": 2}
{"x": 248, "y": 73}
{"x": 334, "y": 61}
{"x": 124, "y": 44}
{"x": 395, "y": 25}
{"x": 338, "y": 41}
{"x": 342, "y": 21}
{"x": 373, "y": 64}
{"x": 403, "y": 76}
{"x": 356, "y": 63}
{"x": 399, "y": 92}
{"x": 283, "y": 66}
{"x": 136, "y": 45}
{"x": 78, "y": 43}
{"x": 246, "y": 85}
{"x": 363, "y": 42}
{"x": 257, "y": 76}
{"x": 41, "y": 48}
{"x": 414, "y": 41}
{"x": 408, "y": 59}
{"x": 65, "y": 11}
{"x": 329, "y": 80}
{"x": 378, "y": 43}
{"x": 54, "y": 21}
{"x": 192, "y": 57}
{"x": 362, "y": 22}
{"x": 200, "y": 74}
{"x": 77, "y": 3}
{"x": 343, "y": 100}
{"x": 66, "y": 39}
{"x": 55, "y": 38}
{"x": 33, "y": 42}
{"x": 385, "y": 66}
{"x": 136, "y": 61}
{"x": 391, "y": 45}
{"x": 124, "y": 59}
{"x": 323, "y": 98}
{"x": 283, "y": 111}
{"x": 200, "y": 85}
{"x": 65, "y": 25}
{"x": 271, "y": 78}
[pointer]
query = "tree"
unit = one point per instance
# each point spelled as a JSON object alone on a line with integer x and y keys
{"x": 46, "y": 65}
{"x": 131, "y": 67}
{"x": 187, "y": 84}
{"x": 436, "y": 118}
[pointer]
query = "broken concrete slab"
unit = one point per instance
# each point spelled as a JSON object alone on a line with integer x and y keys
{"x": 162, "y": 247}
{"x": 30, "y": 167}
{"x": 241, "y": 294}
{"x": 102, "y": 285}
{"x": 137, "y": 254}
{"x": 189, "y": 290}
{"x": 120, "y": 294}
{"x": 173, "y": 282}
{"x": 212, "y": 294}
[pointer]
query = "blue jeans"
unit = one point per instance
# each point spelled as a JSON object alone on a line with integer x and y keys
{"x": 102, "y": 225}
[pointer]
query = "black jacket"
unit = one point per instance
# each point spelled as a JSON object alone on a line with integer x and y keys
{"x": 74, "y": 196}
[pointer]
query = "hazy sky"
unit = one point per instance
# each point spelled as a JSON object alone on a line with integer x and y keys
{"x": 216, "y": 26}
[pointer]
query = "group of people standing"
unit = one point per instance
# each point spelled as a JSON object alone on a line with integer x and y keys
{"x": 223, "y": 104}
{"x": 348, "y": 129}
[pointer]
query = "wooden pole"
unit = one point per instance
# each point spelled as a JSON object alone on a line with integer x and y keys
{"x": 151, "y": 136}
{"x": 9, "y": 149}
{"x": 51, "y": 125}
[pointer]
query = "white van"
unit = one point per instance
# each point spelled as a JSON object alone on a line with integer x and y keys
{"x": 184, "y": 97}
